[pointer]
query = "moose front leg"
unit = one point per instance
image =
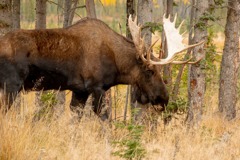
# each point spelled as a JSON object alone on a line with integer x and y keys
{"x": 99, "y": 104}
{"x": 78, "y": 102}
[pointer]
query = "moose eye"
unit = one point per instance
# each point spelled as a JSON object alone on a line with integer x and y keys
{"x": 150, "y": 73}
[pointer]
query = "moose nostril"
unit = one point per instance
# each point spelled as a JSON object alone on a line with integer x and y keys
{"x": 144, "y": 99}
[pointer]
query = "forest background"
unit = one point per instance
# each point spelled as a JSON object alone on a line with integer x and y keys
{"x": 60, "y": 138}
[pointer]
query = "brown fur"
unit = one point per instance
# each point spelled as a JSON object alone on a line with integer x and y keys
{"x": 87, "y": 57}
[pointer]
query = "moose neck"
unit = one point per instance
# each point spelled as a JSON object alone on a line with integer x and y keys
{"x": 126, "y": 61}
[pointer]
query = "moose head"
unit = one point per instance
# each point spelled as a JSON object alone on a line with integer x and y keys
{"x": 151, "y": 87}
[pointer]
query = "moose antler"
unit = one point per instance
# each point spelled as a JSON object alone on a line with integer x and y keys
{"x": 136, "y": 35}
{"x": 174, "y": 40}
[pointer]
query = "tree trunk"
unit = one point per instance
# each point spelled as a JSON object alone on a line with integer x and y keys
{"x": 60, "y": 8}
{"x": 144, "y": 14}
{"x": 5, "y": 16}
{"x": 90, "y": 7}
{"x": 16, "y": 14}
{"x": 67, "y": 9}
{"x": 130, "y": 9}
{"x": 169, "y": 9}
{"x": 71, "y": 15}
{"x": 41, "y": 12}
{"x": 41, "y": 9}
{"x": 16, "y": 25}
{"x": 230, "y": 63}
{"x": 40, "y": 23}
{"x": 167, "y": 75}
{"x": 196, "y": 82}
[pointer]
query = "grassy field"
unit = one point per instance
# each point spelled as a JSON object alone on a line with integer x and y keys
{"x": 59, "y": 135}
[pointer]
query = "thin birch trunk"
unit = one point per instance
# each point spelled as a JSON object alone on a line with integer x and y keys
{"x": 5, "y": 16}
{"x": 16, "y": 14}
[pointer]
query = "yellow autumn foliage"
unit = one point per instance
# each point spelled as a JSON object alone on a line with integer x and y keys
{"x": 113, "y": 2}
{"x": 186, "y": 1}
{"x": 108, "y": 2}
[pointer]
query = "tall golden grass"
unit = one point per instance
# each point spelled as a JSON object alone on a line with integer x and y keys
{"x": 64, "y": 137}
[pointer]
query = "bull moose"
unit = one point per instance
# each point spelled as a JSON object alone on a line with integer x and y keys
{"x": 86, "y": 58}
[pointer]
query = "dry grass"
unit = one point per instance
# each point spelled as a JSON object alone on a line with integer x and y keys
{"x": 62, "y": 137}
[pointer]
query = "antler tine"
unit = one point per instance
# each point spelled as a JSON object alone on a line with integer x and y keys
{"x": 164, "y": 15}
{"x": 188, "y": 61}
{"x": 182, "y": 62}
{"x": 183, "y": 33}
{"x": 169, "y": 17}
{"x": 164, "y": 62}
{"x": 196, "y": 61}
{"x": 149, "y": 51}
{"x": 175, "y": 19}
{"x": 179, "y": 27}
{"x": 135, "y": 20}
{"x": 191, "y": 46}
